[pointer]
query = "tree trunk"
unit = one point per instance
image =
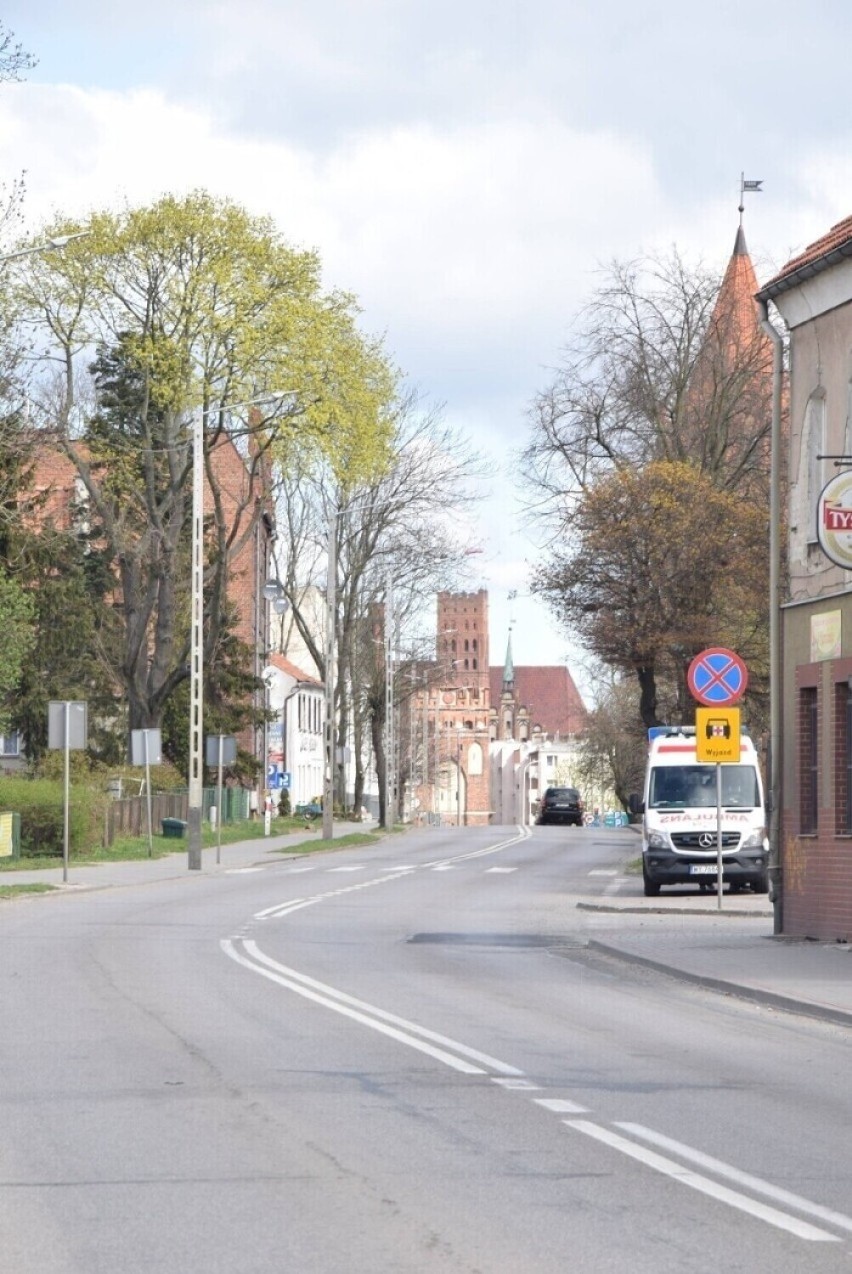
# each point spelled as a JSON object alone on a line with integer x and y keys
{"x": 647, "y": 694}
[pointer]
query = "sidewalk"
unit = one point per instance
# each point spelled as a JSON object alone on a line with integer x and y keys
{"x": 732, "y": 951}
{"x": 239, "y": 856}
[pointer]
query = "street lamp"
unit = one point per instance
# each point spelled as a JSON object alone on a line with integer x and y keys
{"x": 58, "y": 241}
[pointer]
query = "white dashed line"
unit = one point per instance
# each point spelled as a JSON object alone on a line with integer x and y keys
{"x": 560, "y": 1106}
{"x": 523, "y": 1085}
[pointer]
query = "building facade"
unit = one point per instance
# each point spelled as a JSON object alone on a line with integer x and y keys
{"x": 813, "y": 293}
{"x": 295, "y": 735}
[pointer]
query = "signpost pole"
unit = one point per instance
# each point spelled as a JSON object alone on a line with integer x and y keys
{"x": 221, "y": 739}
{"x": 66, "y": 722}
{"x": 719, "y": 881}
{"x": 148, "y": 794}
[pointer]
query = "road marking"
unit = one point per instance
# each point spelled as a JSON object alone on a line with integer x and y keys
{"x": 742, "y": 1178}
{"x": 669, "y": 1168}
{"x": 389, "y": 1024}
{"x": 488, "y": 870}
{"x": 560, "y": 1106}
{"x": 353, "y": 867}
{"x": 524, "y": 1085}
{"x": 443, "y": 867}
{"x": 292, "y": 871}
{"x": 603, "y": 873}
{"x": 241, "y": 871}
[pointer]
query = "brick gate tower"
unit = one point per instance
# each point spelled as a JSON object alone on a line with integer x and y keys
{"x": 462, "y": 709}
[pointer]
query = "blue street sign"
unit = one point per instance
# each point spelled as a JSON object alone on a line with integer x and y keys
{"x": 285, "y": 779}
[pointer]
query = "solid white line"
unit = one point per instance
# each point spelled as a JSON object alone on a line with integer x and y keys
{"x": 560, "y": 1106}
{"x": 444, "y": 867}
{"x": 669, "y": 1168}
{"x": 354, "y": 867}
{"x": 455, "y": 1062}
{"x": 523, "y": 834}
{"x": 503, "y": 869}
{"x": 603, "y": 873}
{"x": 242, "y": 871}
{"x": 742, "y": 1178}
{"x": 332, "y": 993}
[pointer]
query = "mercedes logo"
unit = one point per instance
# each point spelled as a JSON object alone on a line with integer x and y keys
{"x": 706, "y": 840}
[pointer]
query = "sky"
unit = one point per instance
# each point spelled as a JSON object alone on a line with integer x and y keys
{"x": 465, "y": 169}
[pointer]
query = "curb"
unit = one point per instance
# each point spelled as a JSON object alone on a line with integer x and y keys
{"x": 671, "y": 911}
{"x": 769, "y": 999}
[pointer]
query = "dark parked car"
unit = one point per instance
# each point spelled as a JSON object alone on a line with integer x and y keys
{"x": 561, "y": 805}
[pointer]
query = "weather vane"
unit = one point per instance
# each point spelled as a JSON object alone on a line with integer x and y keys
{"x": 747, "y": 187}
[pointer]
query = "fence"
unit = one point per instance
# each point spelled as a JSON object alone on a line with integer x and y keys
{"x": 128, "y": 816}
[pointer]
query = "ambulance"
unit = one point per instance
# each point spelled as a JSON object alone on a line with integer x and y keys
{"x": 680, "y": 820}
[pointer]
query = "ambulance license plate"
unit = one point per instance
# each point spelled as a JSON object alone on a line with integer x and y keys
{"x": 702, "y": 869}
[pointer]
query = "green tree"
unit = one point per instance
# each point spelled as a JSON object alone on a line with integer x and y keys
{"x": 661, "y": 564}
{"x": 16, "y": 630}
{"x": 194, "y": 307}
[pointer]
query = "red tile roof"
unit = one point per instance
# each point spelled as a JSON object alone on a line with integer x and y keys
{"x": 816, "y": 256}
{"x": 549, "y": 694}
{"x": 286, "y": 666}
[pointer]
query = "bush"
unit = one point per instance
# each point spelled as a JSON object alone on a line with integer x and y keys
{"x": 40, "y": 803}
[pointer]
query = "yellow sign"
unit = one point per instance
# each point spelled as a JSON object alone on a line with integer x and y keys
{"x": 7, "y": 845}
{"x": 717, "y": 734}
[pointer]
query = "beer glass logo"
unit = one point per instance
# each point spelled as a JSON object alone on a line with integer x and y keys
{"x": 834, "y": 520}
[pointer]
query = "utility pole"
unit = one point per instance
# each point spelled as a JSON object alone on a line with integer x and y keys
{"x": 330, "y": 635}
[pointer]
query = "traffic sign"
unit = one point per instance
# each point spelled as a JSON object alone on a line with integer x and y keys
{"x": 717, "y": 734}
{"x": 717, "y": 677}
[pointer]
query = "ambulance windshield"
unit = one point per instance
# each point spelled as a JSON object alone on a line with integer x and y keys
{"x": 694, "y": 786}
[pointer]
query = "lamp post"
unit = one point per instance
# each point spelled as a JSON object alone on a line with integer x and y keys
{"x": 196, "y": 638}
{"x": 330, "y": 635}
{"x": 196, "y": 650}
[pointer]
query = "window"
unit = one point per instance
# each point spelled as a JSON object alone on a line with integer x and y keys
{"x": 808, "y": 761}
{"x": 10, "y": 744}
{"x": 842, "y": 759}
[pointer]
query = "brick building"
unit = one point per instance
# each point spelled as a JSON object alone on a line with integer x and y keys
{"x": 813, "y": 293}
{"x": 473, "y": 726}
{"x": 60, "y": 496}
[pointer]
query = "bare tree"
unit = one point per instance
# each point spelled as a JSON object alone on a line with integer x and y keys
{"x": 658, "y": 368}
{"x": 666, "y": 368}
{"x": 398, "y": 532}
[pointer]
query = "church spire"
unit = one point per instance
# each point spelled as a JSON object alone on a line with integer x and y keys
{"x": 509, "y": 667}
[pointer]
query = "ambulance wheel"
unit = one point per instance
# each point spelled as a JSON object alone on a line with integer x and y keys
{"x": 652, "y": 890}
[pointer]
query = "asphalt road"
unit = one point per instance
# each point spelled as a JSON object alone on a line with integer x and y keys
{"x": 397, "y": 1060}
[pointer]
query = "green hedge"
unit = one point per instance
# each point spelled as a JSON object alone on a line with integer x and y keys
{"x": 40, "y": 805}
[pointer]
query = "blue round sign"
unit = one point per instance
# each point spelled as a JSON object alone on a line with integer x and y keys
{"x": 717, "y": 677}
